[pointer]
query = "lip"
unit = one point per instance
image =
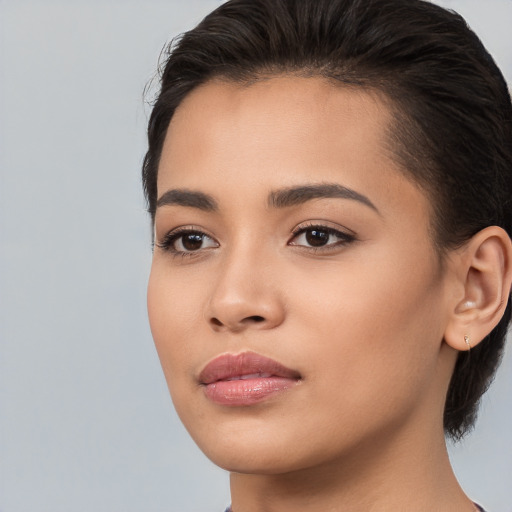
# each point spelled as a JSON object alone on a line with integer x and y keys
{"x": 245, "y": 379}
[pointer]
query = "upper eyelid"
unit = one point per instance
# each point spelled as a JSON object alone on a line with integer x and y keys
{"x": 336, "y": 232}
{"x": 300, "y": 227}
{"x": 186, "y": 229}
{"x": 333, "y": 226}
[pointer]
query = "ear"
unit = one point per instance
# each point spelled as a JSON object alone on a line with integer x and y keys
{"x": 484, "y": 270}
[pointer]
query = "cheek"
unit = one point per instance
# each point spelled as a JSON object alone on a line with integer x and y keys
{"x": 174, "y": 315}
{"x": 375, "y": 324}
{"x": 371, "y": 290}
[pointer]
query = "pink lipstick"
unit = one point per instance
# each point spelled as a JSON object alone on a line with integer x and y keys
{"x": 245, "y": 379}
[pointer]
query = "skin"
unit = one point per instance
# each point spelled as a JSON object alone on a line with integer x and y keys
{"x": 362, "y": 321}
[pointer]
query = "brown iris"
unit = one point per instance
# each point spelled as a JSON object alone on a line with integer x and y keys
{"x": 317, "y": 237}
{"x": 192, "y": 241}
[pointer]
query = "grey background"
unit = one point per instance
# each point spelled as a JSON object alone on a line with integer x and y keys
{"x": 86, "y": 423}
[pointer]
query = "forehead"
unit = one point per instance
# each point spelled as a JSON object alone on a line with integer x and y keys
{"x": 278, "y": 132}
{"x": 283, "y": 112}
{"x": 323, "y": 99}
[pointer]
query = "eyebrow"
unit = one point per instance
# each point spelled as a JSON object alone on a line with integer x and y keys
{"x": 282, "y": 198}
{"x": 294, "y": 196}
{"x": 190, "y": 198}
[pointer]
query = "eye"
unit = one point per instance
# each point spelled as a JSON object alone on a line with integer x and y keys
{"x": 320, "y": 237}
{"x": 183, "y": 241}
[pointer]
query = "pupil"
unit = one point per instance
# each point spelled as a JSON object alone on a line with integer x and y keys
{"x": 317, "y": 238}
{"x": 192, "y": 241}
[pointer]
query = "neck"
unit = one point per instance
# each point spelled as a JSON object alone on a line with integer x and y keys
{"x": 399, "y": 474}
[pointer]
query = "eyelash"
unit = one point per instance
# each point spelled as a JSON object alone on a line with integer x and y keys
{"x": 344, "y": 237}
{"x": 167, "y": 243}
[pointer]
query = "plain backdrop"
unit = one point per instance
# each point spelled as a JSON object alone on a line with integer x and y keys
{"x": 86, "y": 423}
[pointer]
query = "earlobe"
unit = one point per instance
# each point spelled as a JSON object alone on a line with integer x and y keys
{"x": 485, "y": 266}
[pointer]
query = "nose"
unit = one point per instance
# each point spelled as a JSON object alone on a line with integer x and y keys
{"x": 245, "y": 295}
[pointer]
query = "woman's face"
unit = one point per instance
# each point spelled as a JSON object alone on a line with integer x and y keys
{"x": 285, "y": 232}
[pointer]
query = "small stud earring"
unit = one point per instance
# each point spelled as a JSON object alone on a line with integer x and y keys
{"x": 466, "y": 340}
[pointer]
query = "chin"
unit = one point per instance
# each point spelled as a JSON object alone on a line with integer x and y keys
{"x": 254, "y": 461}
{"x": 247, "y": 449}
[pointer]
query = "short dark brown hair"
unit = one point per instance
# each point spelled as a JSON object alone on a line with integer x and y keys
{"x": 452, "y": 130}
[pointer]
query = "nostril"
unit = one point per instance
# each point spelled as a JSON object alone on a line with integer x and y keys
{"x": 237, "y": 324}
{"x": 255, "y": 318}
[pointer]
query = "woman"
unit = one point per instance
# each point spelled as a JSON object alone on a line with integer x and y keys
{"x": 330, "y": 184}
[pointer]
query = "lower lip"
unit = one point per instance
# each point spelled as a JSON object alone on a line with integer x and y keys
{"x": 246, "y": 392}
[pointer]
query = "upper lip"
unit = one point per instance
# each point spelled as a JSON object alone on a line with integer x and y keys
{"x": 230, "y": 366}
